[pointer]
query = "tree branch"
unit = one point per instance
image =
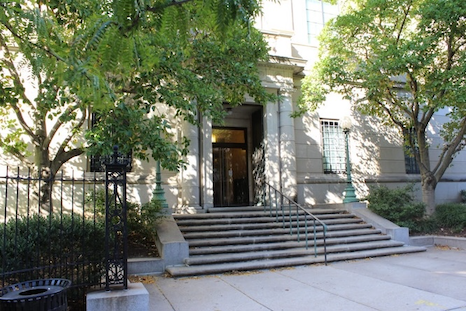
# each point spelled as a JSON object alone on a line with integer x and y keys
{"x": 395, "y": 100}
{"x": 449, "y": 151}
{"x": 59, "y": 123}
{"x": 63, "y": 156}
{"x": 17, "y": 81}
{"x": 72, "y": 132}
{"x": 20, "y": 156}
{"x": 165, "y": 5}
{"x": 427, "y": 116}
{"x": 405, "y": 17}
{"x": 16, "y": 35}
{"x": 390, "y": 114}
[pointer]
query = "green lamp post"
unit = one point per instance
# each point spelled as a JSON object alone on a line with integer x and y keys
{"x": 158, "y": 194}
{"x": 350, "y": 194}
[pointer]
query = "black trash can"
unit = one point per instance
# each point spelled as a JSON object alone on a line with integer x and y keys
{"x": 35, "y": 295}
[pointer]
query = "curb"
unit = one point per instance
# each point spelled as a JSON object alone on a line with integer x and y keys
{"x": 456, "y": 242}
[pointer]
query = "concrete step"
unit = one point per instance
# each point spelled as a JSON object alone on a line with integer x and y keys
{"x": 314, "y": 209}
{"x": 187, "y": 224}
{"x": 284, "y": 253}
{"x": 229, "y": 209}
{"x": 241, "y": 239}
{"x": 201, "y": 226}
{"x": 270, "y": 230}
{"x": 254, "y": 213}
{"x": 182, "y": 271}
{"x": 283, "y": 245}
{"x": 319, "y": 207}
{"x": 275, "y": 238}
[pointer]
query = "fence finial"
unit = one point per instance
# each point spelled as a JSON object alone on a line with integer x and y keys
{"x": 115, "y": 154}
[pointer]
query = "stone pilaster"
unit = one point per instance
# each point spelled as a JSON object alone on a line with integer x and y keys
{"x": 272, "y": 147}
{"x": 206, "y": 165}
{"x": 287, "y": 143}
{"x": 190, "y": 174}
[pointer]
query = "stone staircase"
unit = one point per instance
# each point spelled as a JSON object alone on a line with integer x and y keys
{"x": 247, "y": 238}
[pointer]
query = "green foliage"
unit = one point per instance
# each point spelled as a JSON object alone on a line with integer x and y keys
{"x": 451, "y": 215}
{"x": 149, "y": 214}
{"x": 141, "y": 219}
{"x": 144, "y": 66}
{"x": 42, "y": 241}
{"x": 396, "y": 205}
{"x": 402, "y": 61}
{"x": 463, "y": 196}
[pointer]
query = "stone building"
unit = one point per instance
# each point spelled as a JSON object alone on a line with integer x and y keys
{"x": 303, "y": 157}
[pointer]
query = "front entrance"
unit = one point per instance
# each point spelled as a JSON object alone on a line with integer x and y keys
{"x": 229, "y": 148}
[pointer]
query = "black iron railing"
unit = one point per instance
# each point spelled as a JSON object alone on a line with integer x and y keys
{"x": 64, "y": 234}
{"x": 287, "y": 211}
{"x": 61, "y": 236}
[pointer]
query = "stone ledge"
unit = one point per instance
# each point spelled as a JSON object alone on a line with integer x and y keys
{"x": 135, "y": 298}
{"x": 387, "y": 227}
{"x": 171, "y": 244}
{"x": 152, "y": 265}
{"x": 456, "y": 242}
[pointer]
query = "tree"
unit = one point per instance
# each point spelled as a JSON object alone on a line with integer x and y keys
{"x": 122, "y": 59}
{"x": 400, "y": 60}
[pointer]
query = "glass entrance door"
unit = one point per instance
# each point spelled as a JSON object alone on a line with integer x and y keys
{"x": 230, "y": 167}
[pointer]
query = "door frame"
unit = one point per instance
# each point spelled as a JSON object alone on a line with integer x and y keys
{"x": 233, "y": 145}
{"x": 241, "y": 116}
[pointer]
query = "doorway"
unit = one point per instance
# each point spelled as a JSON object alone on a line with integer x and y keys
{"x": 230, "y": 169}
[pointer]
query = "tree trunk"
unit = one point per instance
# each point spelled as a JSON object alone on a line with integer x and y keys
{"x": 428, "y": 195}
{"x": 44, "y": 184}
{"x": 428, "y": 178}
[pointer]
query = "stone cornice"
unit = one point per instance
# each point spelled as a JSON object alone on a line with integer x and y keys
{"x": 288, "y": 63}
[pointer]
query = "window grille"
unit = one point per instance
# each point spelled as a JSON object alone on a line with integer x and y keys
{"x": 333, "y": 142}
{"x": 411, "y": 165}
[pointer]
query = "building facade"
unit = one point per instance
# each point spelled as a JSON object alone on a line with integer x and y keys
{"x": 303, "y": 157}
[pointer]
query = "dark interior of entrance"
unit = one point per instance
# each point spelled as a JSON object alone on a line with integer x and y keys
{"x": 229, "y": 148}
{"x": 237, "y": 151}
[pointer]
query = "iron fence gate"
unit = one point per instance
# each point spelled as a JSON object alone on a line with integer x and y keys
{"x": 77, "y": 232}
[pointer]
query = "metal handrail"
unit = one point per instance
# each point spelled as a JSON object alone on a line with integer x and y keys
{"x": 278, "y": 201}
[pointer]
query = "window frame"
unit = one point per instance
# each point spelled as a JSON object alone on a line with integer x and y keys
{"x": 324, "y": 13}
{"x": 411, "y": 164}
{"x": 333, "y": 154}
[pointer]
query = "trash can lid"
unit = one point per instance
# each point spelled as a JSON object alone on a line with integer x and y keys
{"x": 32, "y": 292}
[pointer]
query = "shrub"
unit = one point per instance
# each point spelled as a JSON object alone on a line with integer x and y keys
{"x": 396, "y": 205}
{"x": 149, "y": 214}
{"x": 64, "y": 246}
{"x": 451, "y": 215}
{"x": 463, "y": 196}
{"x": 141, "y": 219}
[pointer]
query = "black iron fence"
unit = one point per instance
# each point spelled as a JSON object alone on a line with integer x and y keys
{"x": 63, "y": 232}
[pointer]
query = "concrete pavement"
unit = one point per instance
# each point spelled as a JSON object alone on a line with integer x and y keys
{"x": 431, "y": 280}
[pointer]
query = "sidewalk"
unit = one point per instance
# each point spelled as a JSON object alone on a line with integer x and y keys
{"x": 432, "y": 280}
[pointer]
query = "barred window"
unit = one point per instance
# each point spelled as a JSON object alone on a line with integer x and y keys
{"x": 333, "y": 142}
{"x": 411, "y": 165}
